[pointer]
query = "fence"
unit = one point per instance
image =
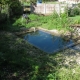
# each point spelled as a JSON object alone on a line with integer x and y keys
{"x": 48, "y": 8}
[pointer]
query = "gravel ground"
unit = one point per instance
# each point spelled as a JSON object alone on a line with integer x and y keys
{"x": 72, "y": 56}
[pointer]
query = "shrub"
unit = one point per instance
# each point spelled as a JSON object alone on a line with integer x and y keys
{"x": 73, "y": 11}
{"x": 63, "y": 15}
{"x": 76, "y": 11}
{"x": 55, "y": 15}
{"x": 16, "y": 8}
{"x": 79, "y": 5}
{"x": 3, "y": 17}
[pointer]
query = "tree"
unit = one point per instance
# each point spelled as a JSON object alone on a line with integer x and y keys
{"x": 16, "y": 8}
{"x": 11, "y": 7}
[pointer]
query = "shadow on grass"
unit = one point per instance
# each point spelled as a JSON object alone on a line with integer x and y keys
{"x": 21, "y": 61}
{"x": 8, "y": 25}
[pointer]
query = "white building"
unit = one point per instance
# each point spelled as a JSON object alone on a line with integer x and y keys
{"x": 70, "y": 1}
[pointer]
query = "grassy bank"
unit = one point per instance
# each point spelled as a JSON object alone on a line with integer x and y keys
{"x": 76, "y": 19}
{"x": 48, "y": 22}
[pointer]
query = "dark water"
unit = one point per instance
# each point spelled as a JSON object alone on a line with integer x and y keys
{"x": 46, "y": 42}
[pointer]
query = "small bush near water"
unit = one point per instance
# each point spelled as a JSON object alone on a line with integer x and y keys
{"x": 73, "y": 11}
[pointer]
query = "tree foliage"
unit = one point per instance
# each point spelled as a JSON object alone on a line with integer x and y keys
{"x": 8, "y": 10}
{"x": 12, "y": 7}
{"x": 5, "y": 1}
{"x": 16, "y": 7}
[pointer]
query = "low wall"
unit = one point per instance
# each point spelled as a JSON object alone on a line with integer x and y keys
{"x": 48, "y": 8}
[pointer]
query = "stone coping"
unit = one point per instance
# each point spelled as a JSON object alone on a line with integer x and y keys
{"x": 65, "y": 35}
{"x": 33, "y": 29}
{"x": 52, "y": 32}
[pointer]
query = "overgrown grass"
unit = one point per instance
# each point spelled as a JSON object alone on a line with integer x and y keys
{"x": 22, "y": 61}
{"x": 49, "y": 22}
{"x": 76, "y": 19}
{"x": 69, "y": 74}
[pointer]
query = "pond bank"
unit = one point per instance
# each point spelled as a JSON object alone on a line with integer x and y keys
{"x": 66, "y": 35}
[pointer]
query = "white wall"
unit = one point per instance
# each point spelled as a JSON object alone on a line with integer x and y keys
{"x": 70, "y": 1}
{"x": 48, "y": 8}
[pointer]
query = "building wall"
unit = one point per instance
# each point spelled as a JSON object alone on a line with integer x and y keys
{"x": 70, "y": 1}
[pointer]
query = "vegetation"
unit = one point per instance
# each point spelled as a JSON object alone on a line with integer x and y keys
{"x": 74, "y": 11}
{"x": 10, "y": 8}
{"x": 48, "y": 22}
{"x": 21, "y": 61}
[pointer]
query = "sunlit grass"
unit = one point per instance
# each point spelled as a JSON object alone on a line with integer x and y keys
{"x": 69, "y": 73}
{"x": 48, "y": 22}
{"x": 76, "y": 19}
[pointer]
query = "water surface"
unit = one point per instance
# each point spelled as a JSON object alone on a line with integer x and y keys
{"x": 46, "y": 42}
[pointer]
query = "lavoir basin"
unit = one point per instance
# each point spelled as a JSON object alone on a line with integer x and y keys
{"x": 47, "y": 42}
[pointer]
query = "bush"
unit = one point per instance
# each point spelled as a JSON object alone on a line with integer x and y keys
{"x": 76, "y": 11}
{"x": 63, "y": 15}
{"x": 3, "y": 17}
{"x": 16, "y": 8}
{"x": 79, "y": 5}
{"x": 55, "y": 15}
{"x": 73, "y": 11}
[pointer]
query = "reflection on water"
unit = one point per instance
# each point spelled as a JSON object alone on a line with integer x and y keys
{"x": 46, "y": 42}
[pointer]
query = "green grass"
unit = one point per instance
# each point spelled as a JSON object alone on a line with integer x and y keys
{"x": 21, "y": 61}
{"x": 48, "y": 22}
{"x": 76, "y": 19}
